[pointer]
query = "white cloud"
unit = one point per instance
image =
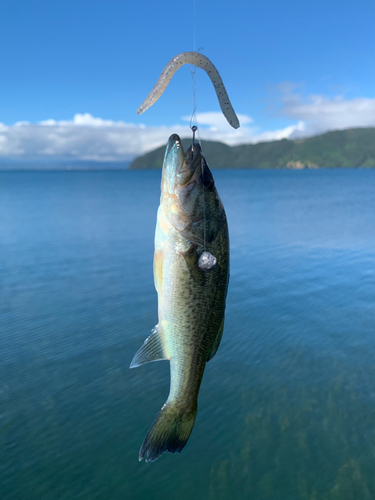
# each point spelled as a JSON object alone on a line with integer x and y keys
{"x": 216, "y": 120}
{"x": 86, "y": 137}
{"x": 320, "y": 114}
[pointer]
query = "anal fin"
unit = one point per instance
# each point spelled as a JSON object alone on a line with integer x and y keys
{"x": 151, "y": 350}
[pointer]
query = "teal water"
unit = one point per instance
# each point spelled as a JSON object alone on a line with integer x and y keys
{"x": 286, "y": 408}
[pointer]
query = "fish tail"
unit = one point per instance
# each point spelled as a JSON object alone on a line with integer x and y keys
{"x": 169, "y": 432}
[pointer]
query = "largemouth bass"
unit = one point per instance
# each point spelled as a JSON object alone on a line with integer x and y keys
{"x": 191, "y": 272}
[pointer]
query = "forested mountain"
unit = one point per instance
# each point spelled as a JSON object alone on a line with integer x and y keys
{"x": 340, "y": 148}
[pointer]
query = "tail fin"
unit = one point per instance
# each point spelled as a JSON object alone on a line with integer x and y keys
{"x": 169, "y": 432}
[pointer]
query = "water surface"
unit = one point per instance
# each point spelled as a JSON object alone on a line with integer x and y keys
{"x": 286, "y": 408}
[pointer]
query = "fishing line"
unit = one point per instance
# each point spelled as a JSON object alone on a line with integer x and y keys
{"x": 194, "y": 126}
{"x": 194, "y": 11}
{"x": 194, "y": 123}
{"x": 193, "y": 119}
{"x": 195, "y": 129}
{"x": 204, "y": 208}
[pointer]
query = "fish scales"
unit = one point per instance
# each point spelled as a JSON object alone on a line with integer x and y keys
{"x": 191, "y": 301}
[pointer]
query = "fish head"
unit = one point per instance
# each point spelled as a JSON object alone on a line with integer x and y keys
{"x": 186, "y": 180}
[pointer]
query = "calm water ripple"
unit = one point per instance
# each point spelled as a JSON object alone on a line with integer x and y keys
{"x": 287, "y": 405}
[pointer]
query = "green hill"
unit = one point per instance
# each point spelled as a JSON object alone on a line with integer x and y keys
{"x": 340, "y": 148}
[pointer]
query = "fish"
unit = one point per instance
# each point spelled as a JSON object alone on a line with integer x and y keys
{"x": 201, "y": 61}
{"x": 191, "y": 275}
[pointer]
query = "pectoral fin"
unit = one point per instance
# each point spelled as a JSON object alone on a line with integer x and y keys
{"x": 215, "y": 345}
{"x": 151, "y": 350}
{"x": 191, "y": 259}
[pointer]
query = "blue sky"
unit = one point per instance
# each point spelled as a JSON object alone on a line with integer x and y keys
{"x": 76, "y": 71}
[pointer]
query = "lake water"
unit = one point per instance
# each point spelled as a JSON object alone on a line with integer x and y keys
{"x": 286, "y": 407}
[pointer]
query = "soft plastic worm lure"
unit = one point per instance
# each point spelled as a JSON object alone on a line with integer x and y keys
{"x": 203, "y": 62}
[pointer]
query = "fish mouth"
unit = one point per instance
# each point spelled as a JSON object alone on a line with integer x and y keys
{"x": 174, "y": 151}
{"x": 193, "y": 156}
{"x": 173, "y": 163}
{"x": 191, "y": 166}
{"x": 179, "y": 167}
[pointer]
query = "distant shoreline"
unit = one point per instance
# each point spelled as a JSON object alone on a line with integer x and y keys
{"x": 63, "y": 169}
{"x": 336, "y": 149}
{"x": 59, "y": 170}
